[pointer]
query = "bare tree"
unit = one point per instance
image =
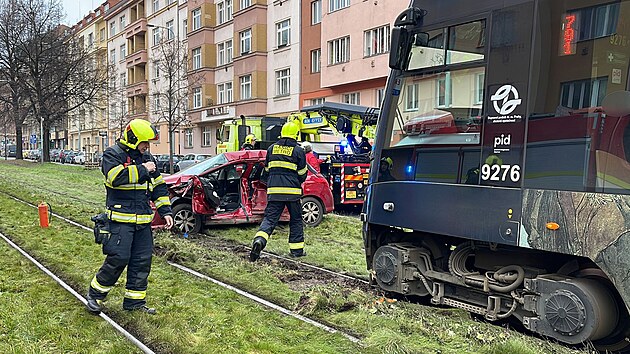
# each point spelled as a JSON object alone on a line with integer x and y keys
{"x": 117, "y": 98}
{"x": 170, "y": 96}
{"x": 58, "y": 73}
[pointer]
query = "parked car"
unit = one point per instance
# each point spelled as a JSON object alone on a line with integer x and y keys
{"x": 163, "y": 162}
{"x": 189, "y": 160}
{"x": 69, "y": 157}
{"x": 230, "y": 188}
{"x": 79, "y": 158}
{"x": 12, "y": 151}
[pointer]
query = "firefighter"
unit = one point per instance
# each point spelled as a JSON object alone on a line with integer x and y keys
{"x": 250, "y": 141}
{"x": 286, "y": 164}
{"x": 385, "y": 170}
{"x": 131, "y": 181}
{"x": 311, "y": 159}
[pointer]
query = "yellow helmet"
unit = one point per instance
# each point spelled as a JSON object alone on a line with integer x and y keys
{"x": 137, "y": 131}
{"x": 290, "y": 130}
{"x": 250, "y": 139}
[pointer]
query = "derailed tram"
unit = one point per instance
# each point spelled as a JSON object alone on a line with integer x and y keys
{"x": 503, "y": 159}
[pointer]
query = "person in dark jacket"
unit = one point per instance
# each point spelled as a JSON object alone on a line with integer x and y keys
{"x": 250, "y": 142}
{"x": 131, "y": 181}
{"x": 286, "y": 164}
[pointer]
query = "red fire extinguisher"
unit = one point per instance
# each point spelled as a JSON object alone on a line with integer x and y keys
{"x": 44, "y": 209}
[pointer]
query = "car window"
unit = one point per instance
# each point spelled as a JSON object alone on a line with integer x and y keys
{"x": 207, "y": 165}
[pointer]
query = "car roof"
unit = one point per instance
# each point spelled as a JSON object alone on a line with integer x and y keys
{"x": 245, "y": 155}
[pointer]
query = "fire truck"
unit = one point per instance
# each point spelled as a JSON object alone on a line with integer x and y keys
{"x": 503, "y": 160}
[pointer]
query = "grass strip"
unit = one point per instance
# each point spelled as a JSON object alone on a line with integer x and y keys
{"x": 38, "y": 316}
{"x": 194, "y": 316}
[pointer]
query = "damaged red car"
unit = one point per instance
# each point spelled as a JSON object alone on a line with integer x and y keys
{"x": 230, "y": 188}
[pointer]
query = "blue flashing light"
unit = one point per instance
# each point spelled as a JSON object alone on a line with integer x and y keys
{"x": 344, "y": 143}
{"x": 409, "y": 169}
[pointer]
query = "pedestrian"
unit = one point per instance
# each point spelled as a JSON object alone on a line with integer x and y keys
{"x": 131, "y": 181}
{"x": 311, "y": 159}
{"x": 250, "y": 141}
{"x": 286, "y": 164}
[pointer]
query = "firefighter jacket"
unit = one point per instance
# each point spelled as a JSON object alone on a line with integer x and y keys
{"x": 130, "y": 186}
{"x": 286, "y": 164}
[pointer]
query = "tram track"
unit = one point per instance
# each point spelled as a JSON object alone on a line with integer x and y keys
{"x": 235, "y": 289}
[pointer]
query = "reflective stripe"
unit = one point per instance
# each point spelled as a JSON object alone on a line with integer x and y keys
{"x": 129, "y": 218}
{"x": 133, "y": 174}
{"x": 135, "y": 294}
{"x": 302, "y": 171}
{"x": 262, "y": 234}
{"x": 283, "y": 164}
{"x": 129, "y": 187}
{"x": 95, "y": 284}
{"x": 284, "y": 190}
{"x": 113, "y": 173}
{"x": 157, "y": 181}
{"x": 296, "y": 246}
{"x": 267, "y": 168}
{"x": 162, "y": 201}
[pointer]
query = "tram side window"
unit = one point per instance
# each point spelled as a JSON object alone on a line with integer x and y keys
{"x": 581, "y": 57}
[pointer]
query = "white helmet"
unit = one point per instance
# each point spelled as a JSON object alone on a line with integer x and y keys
{"x": 307, "y": 146}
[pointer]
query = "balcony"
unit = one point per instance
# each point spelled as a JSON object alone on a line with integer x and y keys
{"x": 139, "y": 57}
{"x": 137, "y": 89}
{"x": 219, "y": 113}
{"x": 136, "y": 28}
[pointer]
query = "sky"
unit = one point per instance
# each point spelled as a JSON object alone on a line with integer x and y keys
{"x": 76, "y": 9}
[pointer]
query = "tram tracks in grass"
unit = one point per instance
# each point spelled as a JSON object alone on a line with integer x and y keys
{"x": 309, "y": 272}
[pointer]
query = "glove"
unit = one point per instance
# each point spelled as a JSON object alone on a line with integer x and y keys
{"x": 101, "y": 228}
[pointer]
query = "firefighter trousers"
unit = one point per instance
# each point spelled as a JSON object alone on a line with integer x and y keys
{"x": 296, "y": 226}
{"x": 131, "y": 246}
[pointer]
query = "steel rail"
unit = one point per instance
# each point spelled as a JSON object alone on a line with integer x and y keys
{"x": 69, "y": 289}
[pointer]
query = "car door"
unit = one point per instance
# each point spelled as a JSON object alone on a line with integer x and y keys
{"x": 257, "y": 188}
{"x": 205, "y": 198}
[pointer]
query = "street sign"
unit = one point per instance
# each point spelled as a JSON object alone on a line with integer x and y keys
{"x": 33, "y": 139}
{"x": 102, "y": 133}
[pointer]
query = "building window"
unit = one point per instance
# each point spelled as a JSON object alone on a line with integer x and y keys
{"x": 156, "y": 69}
{"x": 351, "y": 98}
{"x": 221, "y": 94}
{"x": 335, "y": 5}
{"x": 169, "y": 29}
{"x": 123, "y": 51}
{"x": 156, "y": 36}
{"x": 102, "y": 35}
{"x": 376, "y": 41}
{"x": 283, "y": 82}
{"x": 316, "y": 101}
{"x": 196, "y": 18}
{"x": 189, "y": 137}
{"x": 90, "y": 39}
{"x": 224, "y": 11}
{"x": 316, "y": 12}
{"x": 112, "y": 55}
{"x": 339, "y": 51}
{"x": 196, "y": 58}
{"x": 246, "y": 87}
{"x": 197, "y": 97}
{"x": 112, "y": 29}
{"x": 583, "y": 93}
{"x": 479, "y": 85}
{"x": 206, "y": 135}
{"x": 380, "y": 96}
{"x": 225, "y": 93}
{"x": 123, "y": 79}
{"x": 228, "y": 9}
{"x": 184, "y": 26}
{"x": 283, "y": 33}
{"x": 123, "y": 23}
{"x": 443, "y": 91}
{"x": 156, "y": 5}
{"x": 246, "y": 41}
{"x": 245, "y": 4}
{"x": 156, "y": 102}
{"x": 411, "y": 94}
{"x": 316, "y": 60}
{"x": 229, "y": 96}
{"x": 224, "y": 53}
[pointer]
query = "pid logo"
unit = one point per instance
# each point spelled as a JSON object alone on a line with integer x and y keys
{"x": 501, "y": 101}
{"x": 502, "y": 143}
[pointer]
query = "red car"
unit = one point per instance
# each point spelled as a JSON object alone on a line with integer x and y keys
{"x": 230, "y": 189}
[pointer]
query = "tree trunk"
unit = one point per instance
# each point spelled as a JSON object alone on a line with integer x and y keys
{"x": 18, "y": 142}
{"x": 46, "y": 145}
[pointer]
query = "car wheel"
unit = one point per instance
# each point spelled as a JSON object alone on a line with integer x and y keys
{"x": 184, "y": 219}
{"x": 312, "y": 211}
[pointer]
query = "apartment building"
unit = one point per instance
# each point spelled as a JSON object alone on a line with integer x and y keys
{"x": 243, "y": 57}
{"x": 345, "y": 50}
{"x": 87, "y": 126}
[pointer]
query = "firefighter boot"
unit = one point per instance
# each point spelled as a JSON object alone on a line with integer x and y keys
{"x": 297, "y": 253}
{"x": 145, "y": 309}
{"x": 257, "y": 247}
{"x": 93, "y": 305}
